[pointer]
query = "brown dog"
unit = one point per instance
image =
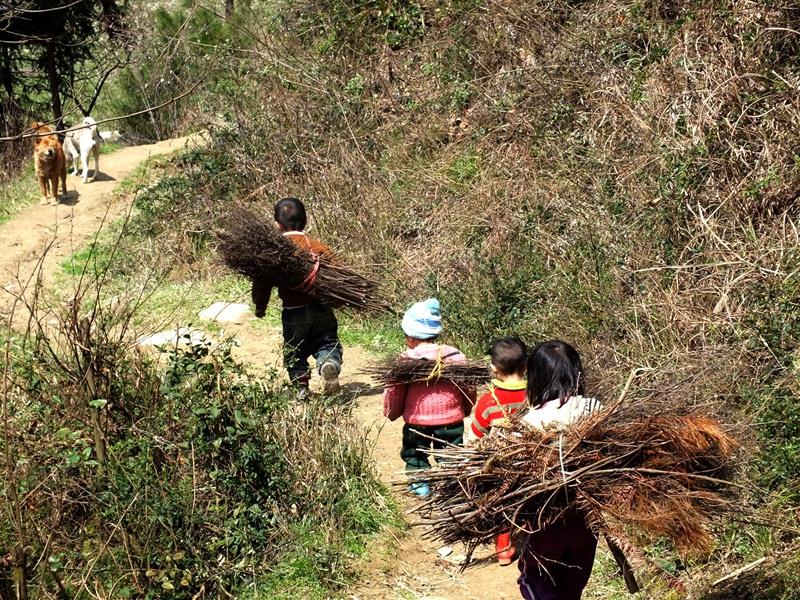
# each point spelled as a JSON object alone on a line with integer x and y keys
{"x": 50, "y": 162}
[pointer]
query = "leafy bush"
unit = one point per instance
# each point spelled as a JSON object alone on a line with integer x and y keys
{"x": 180, "y": 481}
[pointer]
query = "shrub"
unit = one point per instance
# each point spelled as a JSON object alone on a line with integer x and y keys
{"x": 182, "y": 480}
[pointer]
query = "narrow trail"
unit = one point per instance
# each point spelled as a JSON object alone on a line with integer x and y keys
{"x": 409, "y": 567}
{"x": 64, "y": 228}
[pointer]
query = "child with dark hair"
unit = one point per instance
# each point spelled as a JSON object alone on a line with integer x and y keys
{"x": 506, "y": 396}
{"x": 433, "y": 411}
{"x": 309, "y": 326}
{"x": 557, "y": 560}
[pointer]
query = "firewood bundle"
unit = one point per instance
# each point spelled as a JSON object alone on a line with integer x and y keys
{"x": 250, "y": 245}
{"x": 400, "y": 369}
{"x": 662, "y": 476}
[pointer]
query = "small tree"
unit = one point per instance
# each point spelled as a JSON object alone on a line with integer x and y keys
{"x": 73, "y": 47}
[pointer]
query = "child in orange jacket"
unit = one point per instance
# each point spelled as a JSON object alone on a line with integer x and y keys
{"x": 505, "y": 397}
{"x": 309, "y": 326}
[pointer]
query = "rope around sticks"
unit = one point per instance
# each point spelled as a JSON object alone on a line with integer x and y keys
{"x": 309, "y": 282}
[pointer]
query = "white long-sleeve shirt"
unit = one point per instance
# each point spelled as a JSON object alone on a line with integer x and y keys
{"x": 553, "y": 414}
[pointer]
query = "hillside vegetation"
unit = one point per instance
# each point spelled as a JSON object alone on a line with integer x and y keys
{"x": 621, "y": 175}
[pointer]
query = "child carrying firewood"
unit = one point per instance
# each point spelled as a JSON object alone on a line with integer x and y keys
{"x": 309, "y": 326}
{"x": 506, "y": 396}
{"x": 433, "y": 411}
{"x": 556, "y": 561}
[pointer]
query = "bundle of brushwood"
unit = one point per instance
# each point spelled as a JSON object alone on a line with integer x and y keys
{"x": 250, "y": 245}
{"x": 660, "y": 476}
{"x": 400, "y": 369}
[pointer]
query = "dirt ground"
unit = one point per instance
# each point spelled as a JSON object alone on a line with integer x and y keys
{"x": 68, "y": 226}
{"x": 410, "y": 566}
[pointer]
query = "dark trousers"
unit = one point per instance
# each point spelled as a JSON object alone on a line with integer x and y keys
{"x": 415, "y": 446}
{"x": 309, "y": 331}
{"x": 556, "y": 562}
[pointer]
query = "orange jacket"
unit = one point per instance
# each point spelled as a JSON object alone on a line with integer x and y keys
{"x": 291, "y": 298}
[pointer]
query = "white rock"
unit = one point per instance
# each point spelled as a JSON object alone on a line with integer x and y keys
{"x": 226, "y": 312}
{"x": 180, "y": 337}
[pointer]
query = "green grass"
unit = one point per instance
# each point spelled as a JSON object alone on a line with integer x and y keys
{"x": 305, "y": 572}
{"x": 109, "y": 147}
{"x": 465, "y": 168}
{"x": 177, "y": 303}
{"x": 164, "y": 303}
{"x": 17, "y": 194}
{"x": 92, "y": 259}
{"x": 145, "y": 172}
{"x": 381, "y": 336}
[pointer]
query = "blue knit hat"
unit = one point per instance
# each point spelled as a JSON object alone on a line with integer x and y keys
{"x": 423, "y": 320}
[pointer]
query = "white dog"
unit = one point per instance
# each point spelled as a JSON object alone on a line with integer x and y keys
{"x": 82, "y": 141}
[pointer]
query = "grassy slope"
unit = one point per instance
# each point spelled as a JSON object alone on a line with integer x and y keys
{"x": 622, "y": 175}
{"x": 15, "y": 195}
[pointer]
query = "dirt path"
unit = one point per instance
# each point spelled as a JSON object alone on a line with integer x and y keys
{"x": 416, "y": 570}
{"x": 409, "y": 569}
{"x": 68, "y": 226}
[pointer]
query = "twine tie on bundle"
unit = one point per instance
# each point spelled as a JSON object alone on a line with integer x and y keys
{"x": 309, "y": 282}
{"x": 505, "y": 420}
{"x": 438, "y": 367}
{"x": 561, "y": 460}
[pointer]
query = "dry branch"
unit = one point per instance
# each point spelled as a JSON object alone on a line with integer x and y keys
{"x": 664, "y": 476}
{"x": 401, "y": 369}
{"x": 250, "y": 245}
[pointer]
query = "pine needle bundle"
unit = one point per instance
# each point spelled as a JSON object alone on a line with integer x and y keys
{"x": 400, "y": 369}
{"x": 663, "y": 476}
{"x": 250, "y": 245}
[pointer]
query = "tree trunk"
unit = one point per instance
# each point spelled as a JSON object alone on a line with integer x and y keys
{"x": 85, "y": 340}
{"x": 6, "y": 76}
{"x": 20, "y": 572}
{"x": 228, "y": 8}
{"x": 54, "y": 81}
{"x": 7, "y": 82}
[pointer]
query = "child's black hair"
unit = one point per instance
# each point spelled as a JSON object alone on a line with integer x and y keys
{"x": 555, "y": 372}
{"x": 290, "y": 213}
{"x": 509, "y": 355}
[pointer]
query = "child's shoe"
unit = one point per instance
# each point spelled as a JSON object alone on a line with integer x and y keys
{"x": 330, "y": 377}
{"x": 504, "y": 549}
{"x": 421, "y": 489}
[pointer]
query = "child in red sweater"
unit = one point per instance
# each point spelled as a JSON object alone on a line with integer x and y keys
{"x": 433, "y": 412}
{"x": 505, "y": 397}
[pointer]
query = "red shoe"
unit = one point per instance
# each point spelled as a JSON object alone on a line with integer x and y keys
{"x": 504, "y": 549}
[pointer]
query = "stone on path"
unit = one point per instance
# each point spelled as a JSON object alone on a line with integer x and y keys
{"x": 226, "y": 312}
{"x": 182, "y": 336}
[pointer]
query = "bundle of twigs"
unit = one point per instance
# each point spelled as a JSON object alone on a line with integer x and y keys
{"x": 662, "y": 475}
{"x": 400, "y": 369}
{"x": 250, "y": 245}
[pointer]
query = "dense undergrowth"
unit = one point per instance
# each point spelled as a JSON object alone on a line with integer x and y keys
{"x": 136, "y": 474}
{"x": 621, "y": 175}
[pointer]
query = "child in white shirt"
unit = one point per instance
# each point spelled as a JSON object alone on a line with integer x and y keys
{"x": 556, "y": 561}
